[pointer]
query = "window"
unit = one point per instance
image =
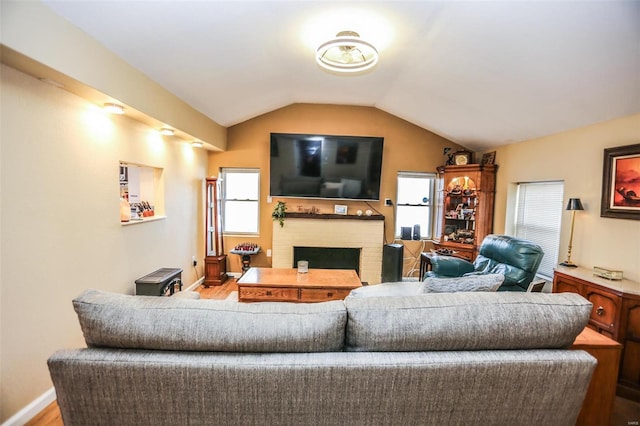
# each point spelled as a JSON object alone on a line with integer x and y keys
{"x": 240, "y": 198}
{"x": 414, "y": 204}
{"x": 538, "y": 218}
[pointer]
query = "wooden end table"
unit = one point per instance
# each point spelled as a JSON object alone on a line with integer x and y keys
{"x": 425, "y": 263}
{"x": 598, "y": 402}
{"x": 287, "y": 285}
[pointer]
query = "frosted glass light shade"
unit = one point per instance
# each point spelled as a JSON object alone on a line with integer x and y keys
{"x": 347, "y": 53}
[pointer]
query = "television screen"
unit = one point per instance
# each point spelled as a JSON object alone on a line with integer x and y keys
{"x": 325, "y": 166}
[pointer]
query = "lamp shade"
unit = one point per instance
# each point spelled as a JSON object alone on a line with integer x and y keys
{"x": 574, "y": 204}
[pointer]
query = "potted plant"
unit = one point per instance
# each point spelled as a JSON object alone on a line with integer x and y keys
{"x": 279, "y": 212}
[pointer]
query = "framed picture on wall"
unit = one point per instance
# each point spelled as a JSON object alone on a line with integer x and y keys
{"x": 621, "y": 183}
{"x": 488, "y": 158}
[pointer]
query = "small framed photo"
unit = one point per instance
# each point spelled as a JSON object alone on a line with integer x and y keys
{"x": 450, "y": 229}
{"x": 489, "y": 158}
{"x": 339, "y": 209}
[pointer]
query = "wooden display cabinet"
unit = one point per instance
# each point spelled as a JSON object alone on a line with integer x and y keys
{"x": 467, "y": 207}
{"x": 215, "y": 262}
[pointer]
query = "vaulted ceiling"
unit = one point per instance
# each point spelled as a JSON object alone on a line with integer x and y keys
{"x": 482, "y": 74}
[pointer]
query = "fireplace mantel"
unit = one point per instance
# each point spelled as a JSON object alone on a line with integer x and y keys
{"x": 331, "y": 230}
{"x": 332, "y": 216}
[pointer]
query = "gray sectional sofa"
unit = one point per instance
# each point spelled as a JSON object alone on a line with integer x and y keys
{"x": 431, "y": 359}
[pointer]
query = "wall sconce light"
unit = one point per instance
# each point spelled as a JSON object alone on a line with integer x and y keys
{"x": 573, "y": 205}
{"x": 113, "y": 108}
{"x": 167, "y": 131}
{"x": 196, "y": 144}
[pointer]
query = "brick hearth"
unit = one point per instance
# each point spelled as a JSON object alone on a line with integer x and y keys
{"x": 367, "y": 235}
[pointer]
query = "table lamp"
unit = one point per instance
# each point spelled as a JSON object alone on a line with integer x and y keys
{"x": 573, "y": 205}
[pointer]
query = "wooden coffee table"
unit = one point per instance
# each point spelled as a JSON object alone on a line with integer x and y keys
{"x": 287, "y": 285}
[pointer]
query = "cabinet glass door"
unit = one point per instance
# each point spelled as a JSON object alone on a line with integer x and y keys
{"x": 460, "y": 206}
{"x": 213, "y": 223}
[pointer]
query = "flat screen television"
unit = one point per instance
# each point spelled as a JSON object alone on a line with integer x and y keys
{"x": 325, "y": 166}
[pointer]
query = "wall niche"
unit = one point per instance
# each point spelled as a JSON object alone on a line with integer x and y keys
{"x": 141, "y": 193}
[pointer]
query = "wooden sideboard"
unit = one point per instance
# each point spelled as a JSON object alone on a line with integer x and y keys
{"x": 616, "y": 314}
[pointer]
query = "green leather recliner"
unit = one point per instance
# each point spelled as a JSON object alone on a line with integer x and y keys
{"x": 515, "y": 258}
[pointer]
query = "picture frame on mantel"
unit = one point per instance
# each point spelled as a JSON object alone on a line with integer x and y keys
{"x": 340, "y": 209}
{"x": 621, "y": 183}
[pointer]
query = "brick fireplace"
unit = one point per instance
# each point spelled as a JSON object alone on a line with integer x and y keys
{"x": 331, "y": 231}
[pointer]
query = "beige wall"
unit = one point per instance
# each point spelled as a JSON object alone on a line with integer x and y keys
{"x": 576, "y": 157}
{"x": 60, "y": 221}
{"x": 406, "y": 148}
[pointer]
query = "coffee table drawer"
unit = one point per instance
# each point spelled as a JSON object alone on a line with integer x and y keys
{"x": 322, "y": 294}
{"x": 267, "y": 293}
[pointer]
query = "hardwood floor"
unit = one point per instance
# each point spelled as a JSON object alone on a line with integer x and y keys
{"x": 625, "y": 412}
{"x": 218, "y": 292}
{"x": 50, "y": 416}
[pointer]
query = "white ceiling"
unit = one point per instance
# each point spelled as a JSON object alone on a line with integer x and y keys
{"x": 481, "y": 73}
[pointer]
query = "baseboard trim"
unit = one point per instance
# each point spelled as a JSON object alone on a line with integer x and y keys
{"x": 194, "y": 285}
{"x": 32, "y": 410}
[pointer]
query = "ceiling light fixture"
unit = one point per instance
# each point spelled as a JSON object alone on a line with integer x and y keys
{"x": 113, "y": 108}
{"x": 196, "y": 144}
{"x": 347, "y": 53}
{"x": 167, "y": 131}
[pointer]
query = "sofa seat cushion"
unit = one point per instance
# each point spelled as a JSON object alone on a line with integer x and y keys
{"x": 168, "y": 323}
{"x": 488, "y": 282}
{"x": 465, "y": 321}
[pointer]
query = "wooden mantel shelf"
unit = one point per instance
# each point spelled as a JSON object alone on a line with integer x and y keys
{"x": 332, "y": 216}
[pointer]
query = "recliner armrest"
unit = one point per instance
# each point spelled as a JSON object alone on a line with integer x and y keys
{"x": 449, "y": 266}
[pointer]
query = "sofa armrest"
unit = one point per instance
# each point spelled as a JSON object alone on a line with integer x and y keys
{"x": 449, "y": 266}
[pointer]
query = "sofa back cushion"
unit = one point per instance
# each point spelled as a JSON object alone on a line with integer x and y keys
{"x": 166, "y": 323}
{"x": 465, "y": 321}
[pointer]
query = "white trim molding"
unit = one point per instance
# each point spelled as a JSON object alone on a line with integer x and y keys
{"x": 33, "y": 409}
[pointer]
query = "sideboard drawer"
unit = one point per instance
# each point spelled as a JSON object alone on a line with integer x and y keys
{"x": 564, "y": 285}
{"x": 282, "y": 294}
{"x": 605, "y": 311}
{"x": 322, "y": 294}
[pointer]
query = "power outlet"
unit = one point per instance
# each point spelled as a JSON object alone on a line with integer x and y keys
{"x": 388, "y": 202}
{"x": 195, "y": 262}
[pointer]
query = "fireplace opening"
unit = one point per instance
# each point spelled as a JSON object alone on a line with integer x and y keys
{"x": 328, "y": 257}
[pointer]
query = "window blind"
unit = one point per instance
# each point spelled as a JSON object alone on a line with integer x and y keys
{"x": 538, "y": 219}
